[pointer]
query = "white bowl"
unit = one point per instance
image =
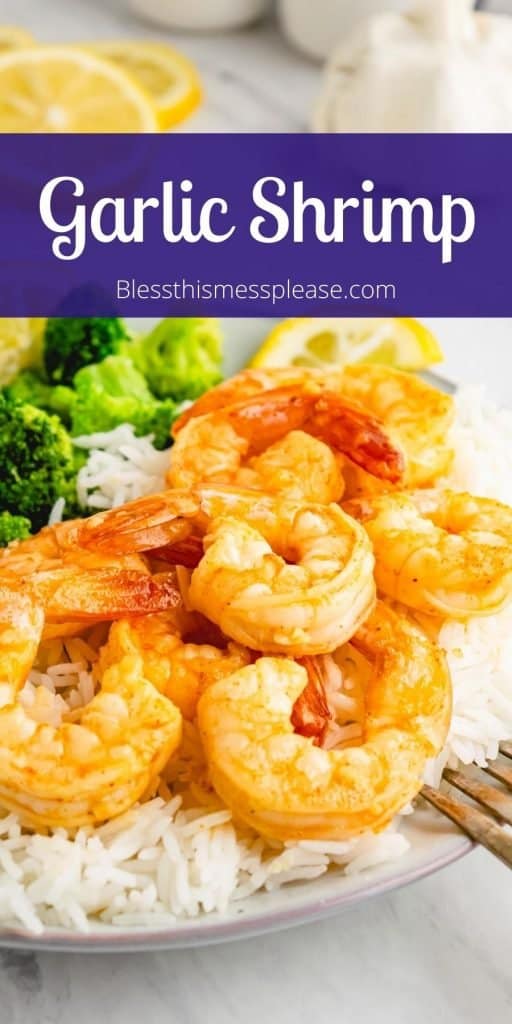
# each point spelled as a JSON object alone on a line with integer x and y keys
{"x": 201, "y": 15}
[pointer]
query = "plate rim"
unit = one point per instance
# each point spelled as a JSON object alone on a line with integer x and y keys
{"x": 206, "y": 933}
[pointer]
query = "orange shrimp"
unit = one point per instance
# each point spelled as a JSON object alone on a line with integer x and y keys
{"x": 415, "y": 416}
{"x": 261, "y": 729}
{"x": 92, "y": 768}
{"x": 274, "y": 574}
{"x": 274, "y": 441}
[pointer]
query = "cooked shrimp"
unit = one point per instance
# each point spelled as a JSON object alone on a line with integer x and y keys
{"x": 55, "y": 547}
{"x": 227, "y": 446}
{"x": 298, "y": 466}
{"x": 89, "y": 769}
{"x": 97, "y": 586}
{"x": 286, "y": 787}
{"x": 249, "y": 383}
{"x": 301, "y": 585}
{"x": 95, "y": 595}
{"x": 179, "y": 669}
{"x": 332, "y": 707}
{"x": 439, "y": 551}
{"x": 276, "y": 575}
{"x": 416, "y": 416}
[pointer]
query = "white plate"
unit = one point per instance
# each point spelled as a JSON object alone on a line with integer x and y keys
{"x": 434, "y": 842}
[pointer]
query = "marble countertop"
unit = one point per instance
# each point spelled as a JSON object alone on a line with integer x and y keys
{"x": 437, "y": 951}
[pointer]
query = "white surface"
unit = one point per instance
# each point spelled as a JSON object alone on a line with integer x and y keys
{"x": 438, "y": 951}
{"x": 477, "y": 352}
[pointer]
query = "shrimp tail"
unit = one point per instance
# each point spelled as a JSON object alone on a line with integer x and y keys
{"x": 143, "y": 525}
{"x": 347, "y": 427}
{"x": 342, "y": 424}
{"x": 359, "y": 508}
{"x": 187, "y": 552}
{"x": 311, "y": 713}
{"x": 94, "y": 594}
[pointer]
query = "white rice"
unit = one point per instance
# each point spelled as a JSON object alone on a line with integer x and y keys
{"x": 479, "y": 651}
{"x": 160, "y": 862}
{"x": 120, "y": 467}
{"x": 482, "y": 438}
{"x": 155, "y": 864}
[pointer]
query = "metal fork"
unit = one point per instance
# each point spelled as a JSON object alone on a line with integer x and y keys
{"x": 479, "y": 826}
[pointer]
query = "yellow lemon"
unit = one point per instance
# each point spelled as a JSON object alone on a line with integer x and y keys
{"x": 166, "y": 75}
{"x": 63, "y": 89}
{"x": 326, "y": 341}
{"x": 13, "y": 38}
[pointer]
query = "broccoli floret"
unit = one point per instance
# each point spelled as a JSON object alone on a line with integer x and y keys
{"x": 29, "y": 386}
{"x": 73, "y": 342}
{"x": 114, "y": 392}
{"x": 13, "y": 528}
{"x": 180, "y": 358}
{"x": 36, "y": 461}
{"x": 158, "y": 420}
{"x": 61, "y": 402}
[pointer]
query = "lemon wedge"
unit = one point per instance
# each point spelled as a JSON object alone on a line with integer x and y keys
{"x": 63, "y": 89}
{"x": 166, "y": 75}
{"x": 21, "y": 340}
{"x": 400, "y": 342}
{"x": 13, "y": 38}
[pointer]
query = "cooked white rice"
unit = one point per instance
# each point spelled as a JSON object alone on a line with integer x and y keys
{"x": 155, "y": 864}
{"x": 479, "y": 651}
{"x": 120, "y": 467}
{"x": 482, "y": 438}
{"x": 163, "y": 861}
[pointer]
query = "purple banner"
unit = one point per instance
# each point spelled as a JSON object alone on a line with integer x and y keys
{"x": 251, "y": 225}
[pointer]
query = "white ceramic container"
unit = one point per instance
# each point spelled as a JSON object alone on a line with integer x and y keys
{"x": 201, "y": 15}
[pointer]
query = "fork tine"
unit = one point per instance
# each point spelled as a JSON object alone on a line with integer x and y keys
{"x": 473, "y": 822}
{"x": 506, "y": 749}
{"x": 501, "y": 772}
{"x": 496, "y": 801}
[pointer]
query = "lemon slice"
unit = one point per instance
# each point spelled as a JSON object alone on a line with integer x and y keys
{"x": 62, "y": 89}
{"x": 317, "y": 341}
{"x": 21, "y": 340}
{"x": 13, "y": 38}
{"x": 169, "y": 78}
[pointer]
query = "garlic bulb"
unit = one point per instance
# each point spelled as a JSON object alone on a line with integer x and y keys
{"x": 441, "y": 68}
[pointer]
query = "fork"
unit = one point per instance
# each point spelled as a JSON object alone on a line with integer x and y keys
{"x": 480, "y": 826}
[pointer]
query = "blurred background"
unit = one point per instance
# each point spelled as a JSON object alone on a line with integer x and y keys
{"x": 261, "y": 62}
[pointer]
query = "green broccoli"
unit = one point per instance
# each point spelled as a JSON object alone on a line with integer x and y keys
{"x": 13, "y": 528}
{"x": 36, "y": 461}
{"x": 29, "y": 386}
{"x": 72, "y": 342}
{"x": 180, "y": 358}
{"x": 114, "y": 392}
